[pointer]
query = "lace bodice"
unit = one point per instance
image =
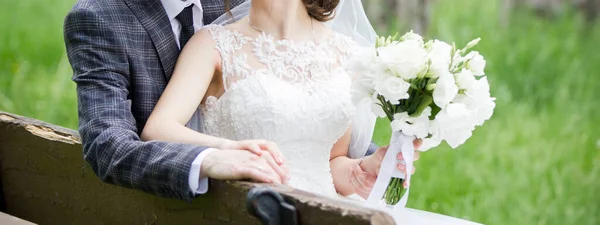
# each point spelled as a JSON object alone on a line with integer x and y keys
{"x": 296, "y": 94}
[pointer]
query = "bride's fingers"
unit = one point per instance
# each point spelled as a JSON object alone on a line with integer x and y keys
{"x": 380, "y": 153}
{"x": 366, "y": 187}
{"x": 272, "y": 148}
{"x": 355, "y": 175}
{"x": 251, "y": 146}
{"x": 254, "y": 174}
{"x": 363, "y": 193}
{"x": 402, "y": 168}
{"x": 267, "y": 168}
{"x": 276, "y": 167}
{"x": 415, "y": 156}
{"x": 355, "y": 183}
{"x": 370, "y": 182}
{"x": 363, "y": 180}
{"x": 417, "y": 143}
{"x": 377, "y": 168}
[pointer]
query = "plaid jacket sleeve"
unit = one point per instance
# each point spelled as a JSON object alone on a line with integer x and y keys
{"x": 106, "y": 124}
{"x": 372, "y": 148}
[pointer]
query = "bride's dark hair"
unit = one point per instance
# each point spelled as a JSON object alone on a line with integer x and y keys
{"x": 321, "y": 10}
{"x": 228, "y": 7}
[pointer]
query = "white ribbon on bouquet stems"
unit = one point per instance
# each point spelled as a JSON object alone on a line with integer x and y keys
{"x": 399, "y": 143}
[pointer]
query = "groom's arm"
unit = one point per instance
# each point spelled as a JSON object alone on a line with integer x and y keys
{"x": 372, "y": 148}
{"x": 106, "y": 123}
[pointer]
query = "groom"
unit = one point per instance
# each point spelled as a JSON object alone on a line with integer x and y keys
{"x": 123, "y": 53}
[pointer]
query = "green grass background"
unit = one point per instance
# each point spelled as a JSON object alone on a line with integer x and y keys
{"x": 535, "y": 162}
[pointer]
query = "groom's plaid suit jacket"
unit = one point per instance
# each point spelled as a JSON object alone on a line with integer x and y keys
{"x": 123, "y": 53}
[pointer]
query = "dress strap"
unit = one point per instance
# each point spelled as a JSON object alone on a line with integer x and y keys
{"x": 229, "y": 44}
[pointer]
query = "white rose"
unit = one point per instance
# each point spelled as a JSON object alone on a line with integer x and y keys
{"x": 453, "y": 124}
{"x": 465, "y": 79}
{"x": 483, "y": 110}
{"x": 440, "y": 54}
{"x": 365, "y": 64}
{"x": 399, "y": 121}
{"x": 431, "y": 142}
{"x": 414, "y": 126}
{"x": 481, "y": 87}
{"x": 361, "y": 59}
{"x": 392, "y": 89}
{"x": 445, "y": 90}
{"x": 478, "y": 101}
{"x": 436, "y": 69}
{"x": 440, "y": 51}
{"x": 457, "y": 137}
{"x": 476, "y": 63}
{"x": 405, "y": 59}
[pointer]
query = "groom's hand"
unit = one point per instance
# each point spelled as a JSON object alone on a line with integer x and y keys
{"x": 238, "y": 165}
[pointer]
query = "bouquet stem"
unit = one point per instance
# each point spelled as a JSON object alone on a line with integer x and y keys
{"x": 395, "y": 190}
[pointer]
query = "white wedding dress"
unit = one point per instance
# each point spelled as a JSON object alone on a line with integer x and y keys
{"x": 296, "y": 94}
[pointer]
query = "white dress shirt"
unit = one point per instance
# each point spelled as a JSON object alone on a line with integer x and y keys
{"x": 173, "y": 8}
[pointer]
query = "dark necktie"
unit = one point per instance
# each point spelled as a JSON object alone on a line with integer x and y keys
{"x": 186, "y": 18}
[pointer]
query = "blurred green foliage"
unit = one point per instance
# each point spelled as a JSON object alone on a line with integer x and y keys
{"x": 34, "y": 70}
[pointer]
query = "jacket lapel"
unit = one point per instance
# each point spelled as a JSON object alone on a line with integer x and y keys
{"x": 154, "y": 19}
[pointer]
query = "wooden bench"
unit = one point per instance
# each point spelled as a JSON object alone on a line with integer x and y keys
{"x": 45, "y": 180}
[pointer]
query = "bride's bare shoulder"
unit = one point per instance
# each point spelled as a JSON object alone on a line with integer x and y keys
{"x": 223, "y": 33}
{"x": 214, "y": 34}
{"x": 203, "y": 37}
{"x": 337, "y": 37}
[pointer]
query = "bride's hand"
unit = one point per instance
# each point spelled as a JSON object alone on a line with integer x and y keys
{"x": 372, "y": 163}
{"x": 266, "y": 150}
{"x": 255, "y": 146}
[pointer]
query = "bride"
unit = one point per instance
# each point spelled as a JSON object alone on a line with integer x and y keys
{"x": 274, "y": 80}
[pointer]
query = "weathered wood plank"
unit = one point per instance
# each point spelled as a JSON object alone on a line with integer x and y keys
{"x": 45, "y": 180}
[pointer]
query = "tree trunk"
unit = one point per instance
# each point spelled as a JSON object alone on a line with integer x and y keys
{"x": 413, "y": 15}
{"x": 375, "y": 11}
{"x": 590, "y": 9}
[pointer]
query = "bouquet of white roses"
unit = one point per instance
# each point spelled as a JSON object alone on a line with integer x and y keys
{"x": 428, "y": 90}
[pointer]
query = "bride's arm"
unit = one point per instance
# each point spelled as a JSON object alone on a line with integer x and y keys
{"x": 193, "y": 73}
{"x": 341, "y": 164}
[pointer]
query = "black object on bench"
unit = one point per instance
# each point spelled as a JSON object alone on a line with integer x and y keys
{"x": 270, "y": 208}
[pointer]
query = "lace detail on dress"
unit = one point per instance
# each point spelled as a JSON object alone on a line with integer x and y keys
{"x": 296, "y": 94}
{"x": 302, "y": 63}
